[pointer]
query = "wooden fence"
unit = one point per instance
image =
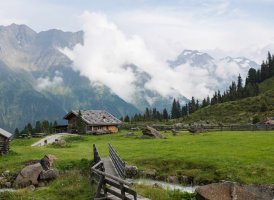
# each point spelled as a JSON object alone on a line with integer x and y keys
{"x": 119, "y": 164}
{"x": 108, "y": 184}
{"x": 236, "y": 127}
{"x": 248, "y": 127}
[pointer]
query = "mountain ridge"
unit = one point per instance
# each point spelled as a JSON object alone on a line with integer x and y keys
{"x": 36, "y": 60}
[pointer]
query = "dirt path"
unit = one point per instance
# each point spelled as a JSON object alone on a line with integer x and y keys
{"x": 50, "y": 139}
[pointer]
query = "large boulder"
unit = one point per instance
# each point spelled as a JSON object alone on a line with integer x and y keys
{"x": 231, "y": 191}
{"x": 28, "y": 176}
{"x": 48, "y": 175}
{"x": 196, "y": 129}
{"x": 151, "y": 132}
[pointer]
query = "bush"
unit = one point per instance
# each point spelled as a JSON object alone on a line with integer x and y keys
{"x": 60, "y": 144}
{"x": 255, "y": 120}
{"x": 264, "y": 106}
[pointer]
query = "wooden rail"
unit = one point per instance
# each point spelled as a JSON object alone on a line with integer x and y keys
{"x": 107, "y": 183}
{"x": 96, "y": 155}
{"x": 119, "y": 164}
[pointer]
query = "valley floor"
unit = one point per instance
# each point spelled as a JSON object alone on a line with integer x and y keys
{"x": 245, "y": 157}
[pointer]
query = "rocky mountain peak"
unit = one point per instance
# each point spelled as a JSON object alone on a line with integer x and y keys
{"x": 192, "y": 57}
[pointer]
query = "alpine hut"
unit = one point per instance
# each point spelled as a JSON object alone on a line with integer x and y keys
{"x": 4, "y": 141}
{"x": 95, "y": 121}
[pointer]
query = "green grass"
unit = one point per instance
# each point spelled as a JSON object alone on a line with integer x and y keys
{"x": 246, "y": 157}
{"x": 70, "y": 185}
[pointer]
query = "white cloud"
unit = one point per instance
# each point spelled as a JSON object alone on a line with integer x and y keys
{"x": 107, "y": 50}
{"x": 168, "y": 31}
{"x": 44, "y": 83}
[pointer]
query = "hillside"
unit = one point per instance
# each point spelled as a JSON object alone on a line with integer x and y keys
{"x": 38, "y": 83}
{"x": 241, "y": 111}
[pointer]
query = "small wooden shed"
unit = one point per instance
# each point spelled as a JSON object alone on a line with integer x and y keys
{"x": 4, "y": 141}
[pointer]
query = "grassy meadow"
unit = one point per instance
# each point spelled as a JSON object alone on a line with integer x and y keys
{"x": 245, "y": 157}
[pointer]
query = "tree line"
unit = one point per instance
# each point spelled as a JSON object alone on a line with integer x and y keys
{"x": 40, "y": 127}
{"x": 236, "y": 91}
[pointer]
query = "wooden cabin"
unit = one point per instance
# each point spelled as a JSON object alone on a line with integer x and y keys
{"x": 4, "y": 141}
{"x": 94, "y": 120}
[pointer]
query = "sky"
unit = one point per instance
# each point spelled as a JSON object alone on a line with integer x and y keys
{"x": 228, "y": 26}
{"x": 149, "y": 32}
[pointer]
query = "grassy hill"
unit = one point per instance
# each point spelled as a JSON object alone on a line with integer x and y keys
{"x": 241, "y": 111}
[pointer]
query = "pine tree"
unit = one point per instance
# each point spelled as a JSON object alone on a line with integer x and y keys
{"x": 29, "y": 129}
{"x": 45, "y": 127}
{"x": 204, "y": 103}
{"x": 38, "y": 127}
{"x": 239, "y": 87}
{"x": 252, "y": 76}
{"x": 126, "y": 118}
{"x": 192, "y": 105}
{"x": 174, "y": 110}
{"x": 219, "y": 97}
{"x": 80, "y": 124}
{"x": 147, "y": 114}
{"x": 178, "y": 111}
{"x": 165, "y": 114}
{"x": 264, "y": 71}
{"x": 16, "y": 132}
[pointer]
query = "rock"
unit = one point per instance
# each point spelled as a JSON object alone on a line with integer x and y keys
{"x": 151, "y": 132}
{"x": 28, "y": 175}
{"x": 156, "y": 185}
{"x": 229, "y": 191}
{"x": 173, "y": 179}
{"x": 6, "y": 173}
{"x": 8, "y": 184}
{"x": 196, "y": 129}
{"x": 174, "y": 131}
{"x": 149, "y": 173}
{"x": 45, "y": 163}
{"x": 49, "y": 174}
{"x": 3, "y": 181}
{"x": 51, "y": 158}
{"x": 179, "y": 125}
{"x": 41, "y": 184}
{"x": 61, "y": 143}
{"x": 186, "y": 179}
{"x": 31, "y": 187}
{"x": 131, "y": 171}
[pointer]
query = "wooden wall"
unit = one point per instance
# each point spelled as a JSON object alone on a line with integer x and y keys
{"x": 113, "y": 129}
{"x": 4, "y": 145}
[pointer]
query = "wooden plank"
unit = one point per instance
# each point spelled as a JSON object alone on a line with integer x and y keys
{"x": 100, "y": 185}
{"x": 112, "y": 177}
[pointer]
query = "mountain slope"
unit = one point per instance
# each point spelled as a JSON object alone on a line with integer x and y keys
{"x": 38, "y": 82}
{"x": 241, "y": 111}
{"x": 20, "y": 103}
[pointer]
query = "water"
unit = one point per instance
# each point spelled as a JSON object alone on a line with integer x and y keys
{"x": 7, "y": 190}
{"x": 165, "y": 185}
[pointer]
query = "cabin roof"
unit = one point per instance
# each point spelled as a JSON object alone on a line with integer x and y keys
{"x": 5, "y": 133}
{"x": 95, "y": 117}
